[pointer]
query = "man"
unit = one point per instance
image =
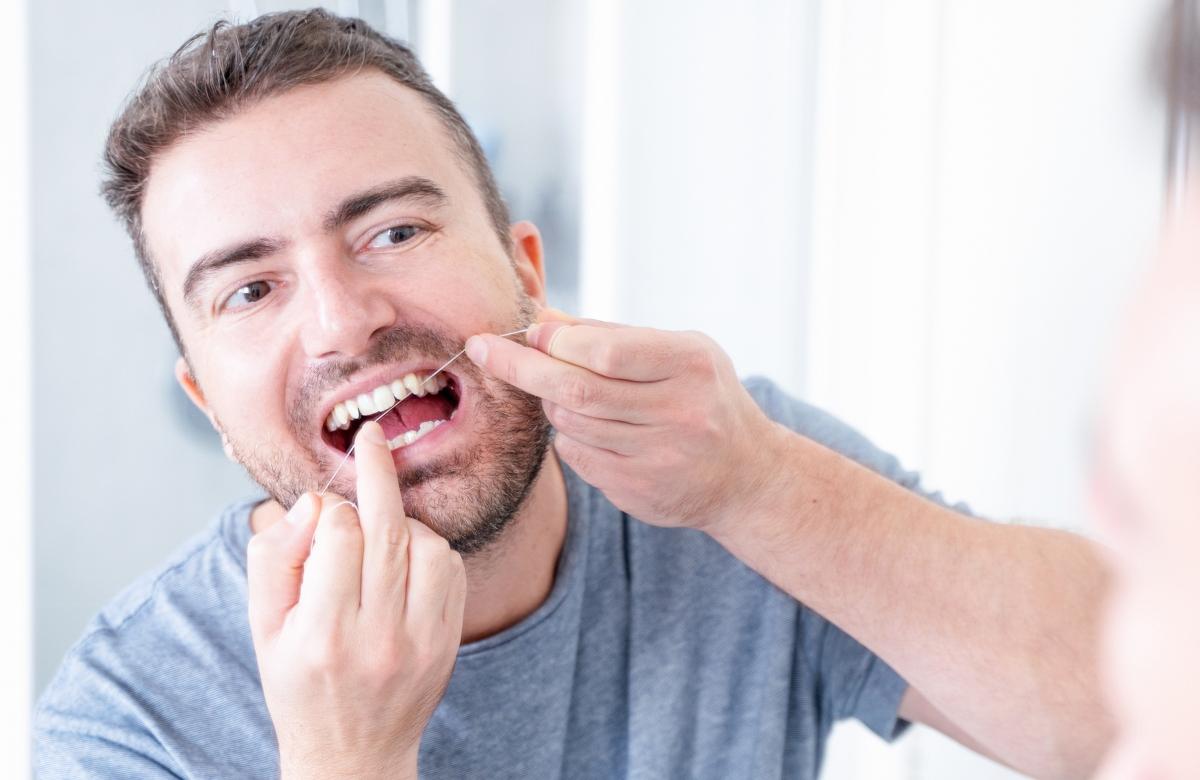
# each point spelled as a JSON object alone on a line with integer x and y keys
{"x": 686, "y": 584}
{"x": 1148, "y": 497}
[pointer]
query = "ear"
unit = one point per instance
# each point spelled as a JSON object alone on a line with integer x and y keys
{"x": 183, "y": 375}
{"x": 529, "y": 260}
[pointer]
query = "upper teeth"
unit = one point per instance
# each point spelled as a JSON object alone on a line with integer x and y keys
{"x": 381, "y": 399}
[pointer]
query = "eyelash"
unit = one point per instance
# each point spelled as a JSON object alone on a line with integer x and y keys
{"x": 417, "y": 231}
{"x": 225, "y": 303}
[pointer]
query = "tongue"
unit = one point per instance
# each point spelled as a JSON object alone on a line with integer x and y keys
{"x": 414, "y": 410}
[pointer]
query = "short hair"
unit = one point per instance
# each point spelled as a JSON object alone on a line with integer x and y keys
{"x": 230, "y": 66}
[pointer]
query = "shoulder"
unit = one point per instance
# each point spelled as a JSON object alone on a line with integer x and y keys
{"x": 199, "y": 575}
{"x": 825, "y": 429}
{"x": 161, "y": 636}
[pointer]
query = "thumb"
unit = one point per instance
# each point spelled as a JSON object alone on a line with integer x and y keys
{"x": 275, "y": 565}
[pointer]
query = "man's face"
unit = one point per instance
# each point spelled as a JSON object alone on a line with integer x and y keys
{"x": 1147, "y": 496}
{"x": 316, "y": 249}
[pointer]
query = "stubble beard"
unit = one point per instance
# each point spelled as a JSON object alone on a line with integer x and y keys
{"x": 469, "y": 496}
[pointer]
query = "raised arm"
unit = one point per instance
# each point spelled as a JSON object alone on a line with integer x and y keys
{"x": 993, "y": 626}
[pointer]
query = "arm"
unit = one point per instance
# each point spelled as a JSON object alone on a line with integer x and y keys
{"x": 993, "y": 626}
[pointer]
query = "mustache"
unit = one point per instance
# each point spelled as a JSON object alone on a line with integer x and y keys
{"x": 392, "y": 346}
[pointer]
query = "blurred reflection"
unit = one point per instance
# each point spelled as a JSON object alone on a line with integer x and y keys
{"x": 1147, "y": 496}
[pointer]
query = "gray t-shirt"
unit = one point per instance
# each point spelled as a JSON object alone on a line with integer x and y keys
{"x": 657, "y": 654}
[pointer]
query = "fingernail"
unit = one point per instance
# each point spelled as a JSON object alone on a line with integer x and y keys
{"x": 531, "y": 335}
{"x": 300, "y": 510}
{"x": 557, "y": 330}
{"x": 477, "y": 350}
{"x": 370, "y": 433}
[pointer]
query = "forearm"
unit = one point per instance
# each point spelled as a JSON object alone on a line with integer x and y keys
{"x": 995, "y": 625}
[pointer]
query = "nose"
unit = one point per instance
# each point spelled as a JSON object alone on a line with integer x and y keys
{"x": 345, "y": 308}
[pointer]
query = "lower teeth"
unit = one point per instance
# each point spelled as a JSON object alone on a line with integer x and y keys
{"x": 408, "y": 437}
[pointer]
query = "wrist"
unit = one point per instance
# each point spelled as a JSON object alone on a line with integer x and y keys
{"x": 400, "y": 767}
{"x": 769, "y": 490}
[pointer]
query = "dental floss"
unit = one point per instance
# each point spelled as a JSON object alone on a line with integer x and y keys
{"x": 442, "y": 368}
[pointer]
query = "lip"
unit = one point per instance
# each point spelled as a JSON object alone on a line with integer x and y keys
{"x": 381, "y": 375}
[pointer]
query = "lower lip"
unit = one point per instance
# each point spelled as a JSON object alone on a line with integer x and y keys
{"x": 431, "y": 439}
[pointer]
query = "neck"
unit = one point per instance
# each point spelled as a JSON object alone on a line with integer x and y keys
{"x": 513, "y": 577}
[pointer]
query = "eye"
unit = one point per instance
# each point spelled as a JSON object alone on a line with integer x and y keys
{"x": 247, "y": 295}
{"x": 394, "y": 236}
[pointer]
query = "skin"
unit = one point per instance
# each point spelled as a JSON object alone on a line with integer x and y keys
{"x": 1002, "y": 661}
{"x": 1146, "y": 494}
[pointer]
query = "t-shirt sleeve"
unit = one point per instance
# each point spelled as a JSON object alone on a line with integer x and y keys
{"x": 85, "y": 727}
{"x": 851, "y": 681}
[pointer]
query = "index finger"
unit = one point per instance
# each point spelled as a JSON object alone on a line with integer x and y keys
{"x": 381, "y": 514}
{"x": 636, "y": 354}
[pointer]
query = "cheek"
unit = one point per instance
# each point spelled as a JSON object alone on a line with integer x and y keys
{"x": 1150, "y": 650}
{"x": 246, "y": 392}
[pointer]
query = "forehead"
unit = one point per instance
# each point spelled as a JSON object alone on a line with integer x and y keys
{"x": 277, "y": 166}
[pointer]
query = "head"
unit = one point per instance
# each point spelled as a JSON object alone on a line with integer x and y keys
{"x": 1147, "y": 497}
{"x": 320, "y": 228}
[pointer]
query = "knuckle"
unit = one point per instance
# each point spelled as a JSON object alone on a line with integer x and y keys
{"x": 561, "y": 417}
{"x": 428, "y": 545}
{"x": 608, "y": 358}
{"x": 430, "y": 652}
{"x": 384, "y": 659}
{"x": 395, "y": 532}
{"x": 698, "y": 354}
{"x": 507, "y": 371}
{"x": 572, "y": 452}
{"x": 424, "y": 655}
{"x": 258, "y": 550}
{"x": 322, "y": 654}
{"x": 577, "y": 393}
{"x": 658, "y": 353}
{"x": 693, "y": 419}
{"x": 342, "y": 519}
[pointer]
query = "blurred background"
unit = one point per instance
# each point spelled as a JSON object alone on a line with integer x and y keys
{"x": 922, "y": 216}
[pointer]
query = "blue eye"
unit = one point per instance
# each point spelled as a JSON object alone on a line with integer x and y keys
{"x": 247, "y": 295}
{"x": 394, "y": 236}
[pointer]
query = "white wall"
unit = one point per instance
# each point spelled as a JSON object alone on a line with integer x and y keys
{"x": 705, "y": 151}
{"x": 16, "y": 554}
{"x": 107, "y": 412}
{"x": 990, "y": 180}
{"x": 938, "y": 257}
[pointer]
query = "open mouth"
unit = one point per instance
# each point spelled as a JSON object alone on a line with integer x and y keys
{"x": 413, "y": 410}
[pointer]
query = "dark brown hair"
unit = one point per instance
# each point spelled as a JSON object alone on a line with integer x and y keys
{"x": 228, "y": 67}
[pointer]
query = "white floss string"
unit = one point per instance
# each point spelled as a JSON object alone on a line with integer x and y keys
{"x": 442, "y": 368}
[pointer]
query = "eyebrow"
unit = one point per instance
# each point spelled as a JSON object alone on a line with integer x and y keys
{"x": 414, "y": 188}
{"x": 411, "y": 188}
{"x": 212, "y": 262}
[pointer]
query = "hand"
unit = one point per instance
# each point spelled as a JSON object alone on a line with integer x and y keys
{"x": 657, "y": 420}
{"x": 355, "y": 659}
